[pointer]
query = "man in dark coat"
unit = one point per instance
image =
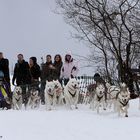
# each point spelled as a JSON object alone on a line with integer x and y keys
{"x": 22, "y": 76}
{"x": 98, "y": 78}
{"x": 4, "y": 67}
{"x": 21, "y": 72}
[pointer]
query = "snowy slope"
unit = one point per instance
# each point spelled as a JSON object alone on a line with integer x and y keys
{"x": 62, "y": 124}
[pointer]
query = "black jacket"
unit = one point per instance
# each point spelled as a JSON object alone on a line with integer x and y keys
{"x": 21, "y": 73}
{"x": 4, "y": 67}
{"x": 57, "y": 70}
{"x": 35, "y": 72}
{"x": 46, "y": 72}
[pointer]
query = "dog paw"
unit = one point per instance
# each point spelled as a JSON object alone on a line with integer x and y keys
{"x": 76, "y": 107}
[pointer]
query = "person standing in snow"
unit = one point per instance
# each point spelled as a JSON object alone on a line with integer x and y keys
{"x": 35, "y": 72}
{"x": 21, "y": 72}
{"x": 69, "y": 69}
{"x": 22, "y": 76}
{"x": 57, "y": 65}
{"x": 46, "y": 75}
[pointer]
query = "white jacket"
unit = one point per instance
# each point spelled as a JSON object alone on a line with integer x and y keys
{"x": 68, "y": 69}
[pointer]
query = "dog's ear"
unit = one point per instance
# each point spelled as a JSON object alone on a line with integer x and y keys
{"x": 122, "y": 85}
{"x": 46, "y": 81}
{"x": 54, "y": 80}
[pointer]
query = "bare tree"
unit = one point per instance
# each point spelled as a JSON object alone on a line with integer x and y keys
{"x": 108, "y": 26}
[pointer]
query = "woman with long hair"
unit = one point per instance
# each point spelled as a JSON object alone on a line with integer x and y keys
{"x": 57, "y": 65}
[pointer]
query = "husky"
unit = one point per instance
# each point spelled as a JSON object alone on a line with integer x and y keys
{"x": 98, "y": 98}
{"x": 17, "y": 98}
{"x": 123, "y": 100}
{"x": 50, "y": 95}
{"x": 71, "y": 93}
{"x": 59, "y": 92}
{"x": 34, "y": 99}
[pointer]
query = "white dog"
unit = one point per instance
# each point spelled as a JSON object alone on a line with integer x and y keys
{"x": 99, "y": 98}
{"x": 34, "y": 99}
{"x": 17, "y": 98}
{"x": 71, "y": 93}
{"x": 123, "y": 100}
{"x": 50, "y": 96}
{"x": 59, "y": 92}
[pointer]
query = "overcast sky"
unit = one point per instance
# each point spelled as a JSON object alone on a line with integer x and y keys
{"x": 32, "y": 28}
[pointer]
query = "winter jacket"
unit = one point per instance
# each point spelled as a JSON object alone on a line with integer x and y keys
{"x": 21, "y": 73}
{"x": 98, "y": 78}
{"x": 46, "y": 72}
{"x": 4, "y": 90}
{"x": 4, "y": 67}
{"x": 35, "y": 72}
{"x": 69, "y": 70}
{"x": 57, "y": 70}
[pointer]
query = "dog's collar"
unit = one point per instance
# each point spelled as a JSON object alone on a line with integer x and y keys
{"x": 73, "y": 95}
{"x": 124, "y": 104}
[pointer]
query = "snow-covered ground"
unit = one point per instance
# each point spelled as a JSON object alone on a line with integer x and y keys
{"x": 62, "y": 124}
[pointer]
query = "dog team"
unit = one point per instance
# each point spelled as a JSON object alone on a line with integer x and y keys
{"x": 98, "y": 97}
{"x": 54, "y": 84}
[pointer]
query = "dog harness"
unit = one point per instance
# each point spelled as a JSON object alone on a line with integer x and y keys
{"x": 51, "y": 95}
{"x": 18, "y": 99}
{"x": 58, "y": 91}
{"x": 73, "y": 95}
{"x": 124, "y": 104}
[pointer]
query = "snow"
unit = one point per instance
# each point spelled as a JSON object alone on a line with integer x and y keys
{"x": 59, "y": 124}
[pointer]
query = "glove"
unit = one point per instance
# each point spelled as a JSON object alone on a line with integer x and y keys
{"x": 71, "y": 76}
{"x": 74, "y": 68}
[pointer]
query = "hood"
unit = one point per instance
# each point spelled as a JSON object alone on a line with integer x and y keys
{"x": 70, "y": 59}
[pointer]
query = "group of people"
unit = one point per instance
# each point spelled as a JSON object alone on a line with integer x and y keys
{"x": 32, "y": 74}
